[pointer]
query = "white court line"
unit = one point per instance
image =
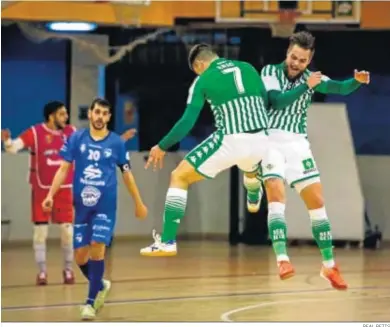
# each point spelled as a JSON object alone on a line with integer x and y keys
{"x": 254, "y": 293}
{"x": 185, "y": 299}
{"x": 226, "y": 316}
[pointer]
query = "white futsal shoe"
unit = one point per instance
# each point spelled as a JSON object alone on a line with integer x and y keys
{"x": 253, "y": 205}
{"x": 101, "y": 297}
{"x": 159, "y": 249}
{"x": 87, "y": 312}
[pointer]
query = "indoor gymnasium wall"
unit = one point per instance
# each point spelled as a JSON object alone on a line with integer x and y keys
{"x": 207, "y": 212}
{"x": 87, "y": 82}
{"x": 208, "y": 203}
{"x": 332, "y": 146}
{"x": 375, "y": 180}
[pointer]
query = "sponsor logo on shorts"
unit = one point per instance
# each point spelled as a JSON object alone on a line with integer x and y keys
{"x": 103, "y": 217}
{"x": 90, "y": 196}
{"x": 99, "y": 235}
{"x": 309, "y": 166}
{"x": 79, "y": 237}
{"x": 100, "y": 228}
{"x": 269, "y": 166}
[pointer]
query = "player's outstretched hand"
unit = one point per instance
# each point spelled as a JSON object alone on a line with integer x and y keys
{"x": 362, "y": 76}
{"x": 5, "y": 134}
{"x": 129, "y": 134}
{"x": 47, "y": 204}
{"x": 314, "y": 79}
{"x": 141, "y": 211}
{"x": 156, "y": 157}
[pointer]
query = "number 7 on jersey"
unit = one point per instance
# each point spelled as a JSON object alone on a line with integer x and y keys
{"x": 237, "y": 78}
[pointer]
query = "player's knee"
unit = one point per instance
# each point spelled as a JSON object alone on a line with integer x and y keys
{"x": 275, "y": 190}
{"x": 66, "y": 234}
{"x": 311, "y": 193}
{"x": 81, "y": 255}
{"x": 40, "y": 233}
{"x": 179, "y": 176}
{"x": 97, "y": 250}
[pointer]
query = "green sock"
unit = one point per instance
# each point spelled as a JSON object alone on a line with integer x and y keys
{"x": 175, "y": 206}
{"x": 278, "y": 229}
{"x": 323, "y": 236}
{"x": 252, "y": 186}
{"x": 320, "y": 227}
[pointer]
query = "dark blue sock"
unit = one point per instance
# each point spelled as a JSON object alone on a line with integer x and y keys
{"x": 96, "y": 272}
{"x": 84, "y": 269}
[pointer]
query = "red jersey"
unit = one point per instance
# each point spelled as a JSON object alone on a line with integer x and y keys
{"x": 44, "y": 145}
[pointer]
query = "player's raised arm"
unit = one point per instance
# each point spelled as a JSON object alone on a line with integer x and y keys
{"x": 278, "y": 98}
{"x": 25, "y": 140}
{"x": 124, "y": 165}
{"x": 329, "y": 86}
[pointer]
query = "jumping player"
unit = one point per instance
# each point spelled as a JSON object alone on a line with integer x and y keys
{"x": 238, "y": 102}
{"x": 96, "y": 152}
{"x": 44, "y": 142}
{"x": 290, "y": 87}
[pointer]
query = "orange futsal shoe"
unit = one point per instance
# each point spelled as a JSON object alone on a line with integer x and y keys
{"x": 286, "y": 270}
{"x": 333, "y": 276}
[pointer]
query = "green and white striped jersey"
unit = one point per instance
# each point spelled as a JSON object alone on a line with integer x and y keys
{"x": 293, "y": 118}
{"x": 235, "y": 93}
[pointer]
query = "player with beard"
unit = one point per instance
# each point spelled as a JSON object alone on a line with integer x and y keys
{"x": 96, "y": 153}
{"x": 290, "y": 87}
{"x": 44, "y": 142}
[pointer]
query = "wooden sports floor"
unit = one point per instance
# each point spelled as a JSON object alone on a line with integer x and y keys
{"x": 207, "y": 281}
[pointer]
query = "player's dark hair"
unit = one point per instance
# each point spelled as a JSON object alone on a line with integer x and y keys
{"x": 50, "y": 108}
{"x": 100, "y": 102}
{"x": 303, "y": 39}
{"x": 198, "y": 51}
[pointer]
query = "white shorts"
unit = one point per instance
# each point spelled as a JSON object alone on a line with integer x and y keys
{"x": 220, "y": 152}
{"x": 297, "y": 165}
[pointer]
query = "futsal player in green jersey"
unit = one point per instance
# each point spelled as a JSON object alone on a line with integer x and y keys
{"x": 290, "y": 87}
{"x": 237, "y": 98}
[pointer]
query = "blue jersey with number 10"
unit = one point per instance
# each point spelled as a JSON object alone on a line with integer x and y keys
{"x": 95, "y": 179}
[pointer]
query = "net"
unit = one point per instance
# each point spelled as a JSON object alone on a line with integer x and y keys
{"x": 39, "y": 35}
{"x": 128, "y": 13}
{"x": 285, "y": 25}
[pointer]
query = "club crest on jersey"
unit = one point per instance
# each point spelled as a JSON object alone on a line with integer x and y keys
{"x": 107, "y": 153}
{"x": 49, "y": 138}
{"x": 83, "y": 147}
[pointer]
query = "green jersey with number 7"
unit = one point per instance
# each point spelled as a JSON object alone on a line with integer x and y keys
{"x": 236, "y": 94}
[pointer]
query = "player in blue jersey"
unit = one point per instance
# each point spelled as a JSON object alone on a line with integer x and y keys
{"x": 96, "y": 152}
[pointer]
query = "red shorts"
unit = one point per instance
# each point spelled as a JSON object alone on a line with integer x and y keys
{"x": 62, "y": 207}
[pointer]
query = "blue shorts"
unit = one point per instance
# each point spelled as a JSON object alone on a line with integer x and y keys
{"x": 93, "y": 225}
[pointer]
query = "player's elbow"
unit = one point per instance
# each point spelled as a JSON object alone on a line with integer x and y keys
{"x": 278, "y": 105}
{"x": 187, "y": 124}
{"x": 65, "y": 165}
